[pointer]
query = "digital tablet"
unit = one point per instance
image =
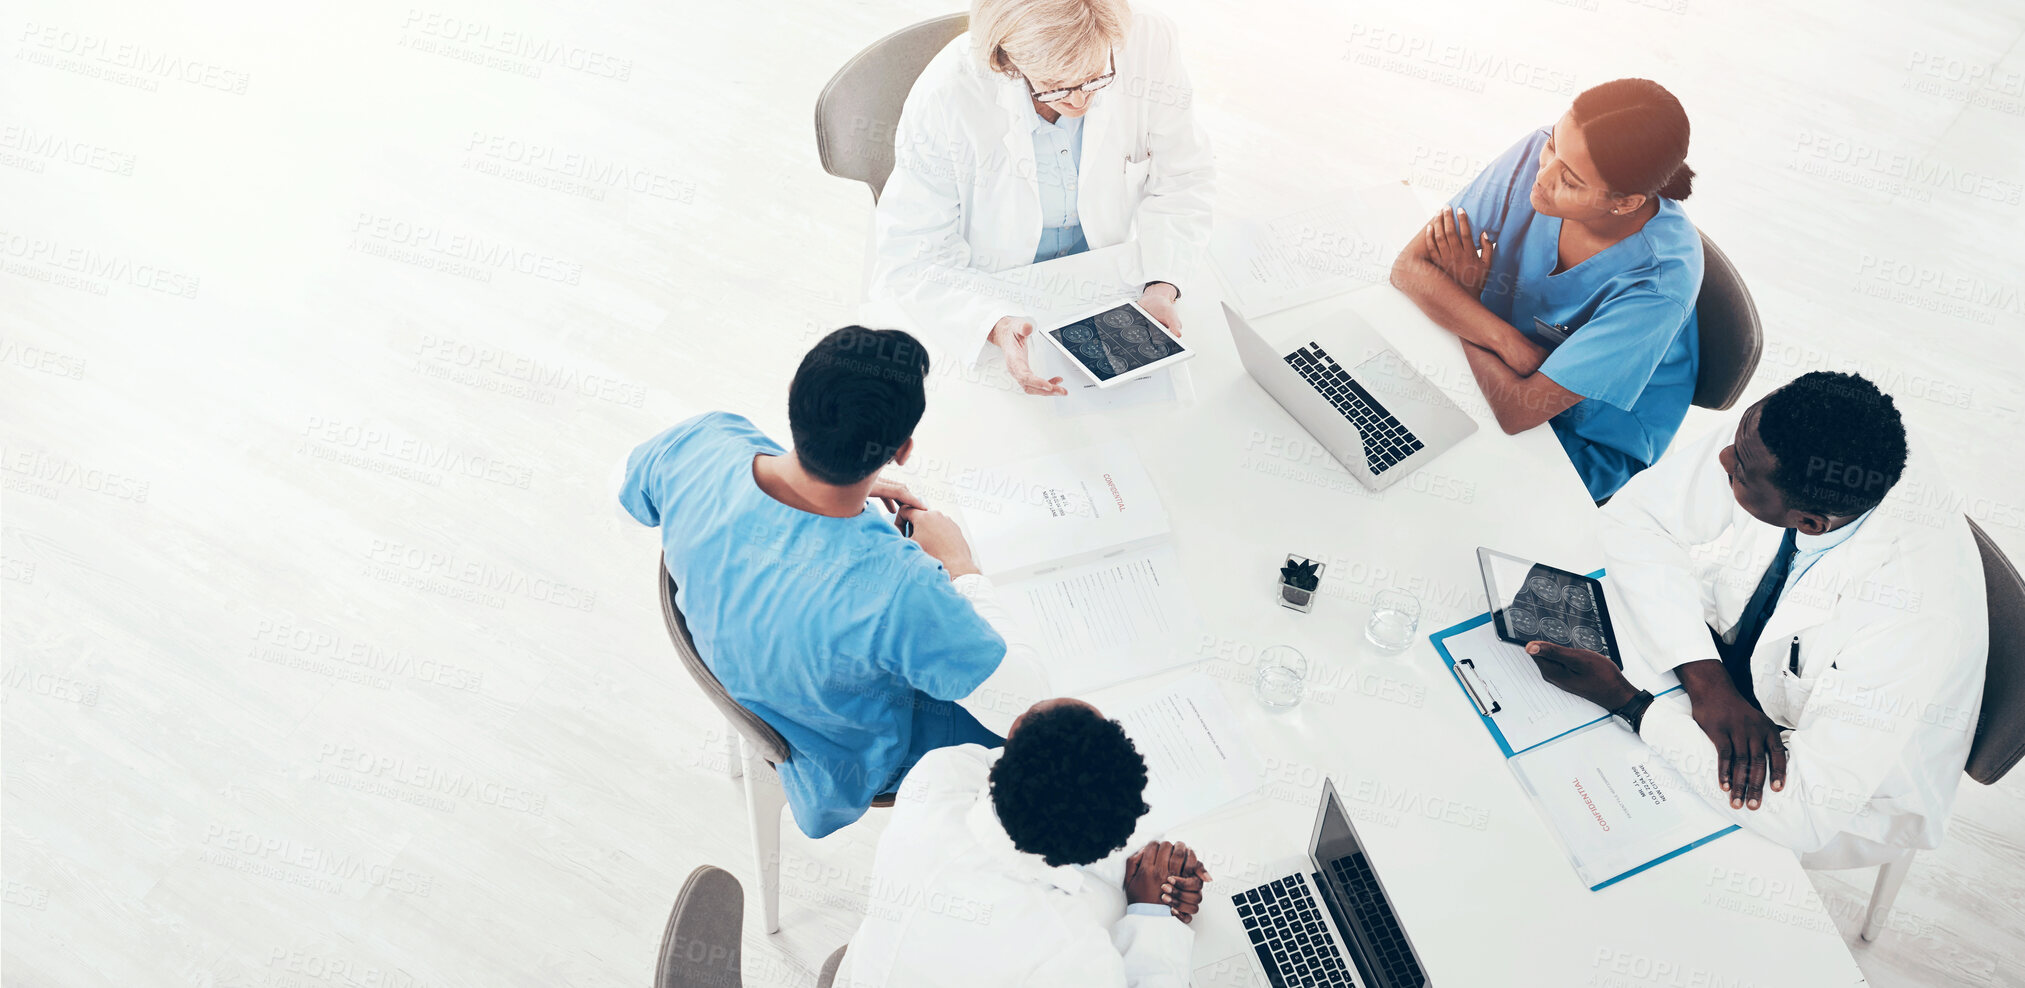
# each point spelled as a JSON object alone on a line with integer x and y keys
{"x": 1535, "y": 602}
{"x": 1118, "y": 343}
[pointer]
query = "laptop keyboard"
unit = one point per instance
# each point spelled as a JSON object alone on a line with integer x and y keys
{"x": 1388, "y": 943}
{"x": 1386, "y": 442}
{"x": 1290, "y": 935}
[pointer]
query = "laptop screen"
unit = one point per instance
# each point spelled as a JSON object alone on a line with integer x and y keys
{"x": 1351, "y": 889}
{"x": 1332, "y": 841}
{"x": 1332, "y": 837}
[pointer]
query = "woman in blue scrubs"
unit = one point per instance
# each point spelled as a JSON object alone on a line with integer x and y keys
{"x": 1570, "y": 271}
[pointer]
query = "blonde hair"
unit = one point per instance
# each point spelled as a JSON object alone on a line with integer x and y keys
{"x": 1051, "y": 39}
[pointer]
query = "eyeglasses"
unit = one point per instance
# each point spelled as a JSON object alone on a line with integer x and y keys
{"x": 1058, "y": 95}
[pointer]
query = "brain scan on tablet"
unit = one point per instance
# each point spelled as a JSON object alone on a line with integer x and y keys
{"x": 1535, "y": 602}
{"x": 1119, "y": 343}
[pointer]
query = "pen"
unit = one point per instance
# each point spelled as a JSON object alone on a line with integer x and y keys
{"x": 1793, "y": 657}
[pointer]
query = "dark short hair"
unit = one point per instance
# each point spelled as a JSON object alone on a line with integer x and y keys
{"x": 1069, "y": 785}
{"x": 855, "y": 399}
{"x": 1638, "y": 137}
{"x": 1838, "y": 440}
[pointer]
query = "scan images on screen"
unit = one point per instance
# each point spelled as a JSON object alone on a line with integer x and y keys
{"x": 1539, "y": 602}
{"x": 1116, "y": 341}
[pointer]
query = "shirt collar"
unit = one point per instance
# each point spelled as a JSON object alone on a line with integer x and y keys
{"x": 983, "y": 823}
{"x": 1066, "y": 124}
{"x": 1803, "y": 542}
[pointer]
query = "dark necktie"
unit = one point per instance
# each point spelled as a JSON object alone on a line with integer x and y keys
{"x": 1737, "y": 657}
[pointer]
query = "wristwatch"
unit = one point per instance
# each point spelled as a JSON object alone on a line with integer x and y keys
{"x": 1633, "y": 710}
{"x": 1177, "y": 288}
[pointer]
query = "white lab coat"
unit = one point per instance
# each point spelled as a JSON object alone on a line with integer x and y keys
{"x": 963, "y": 203}
{"x": 1894, "y": 638}
{"x": 952, "y": 902}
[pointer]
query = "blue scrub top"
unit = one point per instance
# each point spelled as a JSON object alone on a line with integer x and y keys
{"x": 1632, "y": 345}
{"x": 838, "y": 632}
{"x": 1058, "y": 163}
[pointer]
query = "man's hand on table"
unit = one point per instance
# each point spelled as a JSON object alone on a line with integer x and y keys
{"x": 1166, "y": 873}
{"x": 1010, "y": 334}
{"x": 1749, "y": 745}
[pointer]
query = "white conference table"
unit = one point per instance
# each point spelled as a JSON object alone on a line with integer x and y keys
{"x": 1483, "y": 888}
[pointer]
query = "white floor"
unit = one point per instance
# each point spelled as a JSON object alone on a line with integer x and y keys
{"x": 326, "y": 660}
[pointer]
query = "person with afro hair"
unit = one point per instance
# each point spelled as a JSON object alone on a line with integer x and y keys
{"x": 1831, "y": 638}
{"x": 1005, "y": 867}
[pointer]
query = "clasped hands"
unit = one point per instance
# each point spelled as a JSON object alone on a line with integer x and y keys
{"x": 1750, "y": 747}
{"x": 1167, "y": 873}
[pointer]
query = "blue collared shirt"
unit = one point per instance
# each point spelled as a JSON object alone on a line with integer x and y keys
{"x": 1808, "y": 549}
{"x": 1058, "y": 155}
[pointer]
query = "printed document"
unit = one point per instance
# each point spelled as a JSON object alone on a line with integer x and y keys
{"x": 1616, "y": 805}
{"x": 1196, "y": 758}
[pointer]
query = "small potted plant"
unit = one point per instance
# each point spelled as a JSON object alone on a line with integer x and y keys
{"x": 1298, "y": 580}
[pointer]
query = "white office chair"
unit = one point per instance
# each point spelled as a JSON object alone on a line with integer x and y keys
{"x": 756, "y": 748}
{"x": 2000, "y": 728}
{"x": 858, "y": 110}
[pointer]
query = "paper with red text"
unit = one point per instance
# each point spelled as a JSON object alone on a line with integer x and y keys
{"x": 1077, "y": 544}
{"x": 1030, "y": 516}
{"x": 1617, "y": 806}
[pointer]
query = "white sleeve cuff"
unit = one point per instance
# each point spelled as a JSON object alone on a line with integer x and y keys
{"x": 1156, "y": 949}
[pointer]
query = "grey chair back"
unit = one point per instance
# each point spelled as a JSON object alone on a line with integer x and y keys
{"x": 828, "y": 976}
{"x": 860, "y": 108}
{"x": 702, "y": 947}
{"x": 1731, "y": 338}
{"x": 2000, "y": 730}
{"x": 764, "y": 739}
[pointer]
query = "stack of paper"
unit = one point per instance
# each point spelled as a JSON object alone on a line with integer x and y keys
{"x": 1059, "y": 508}
{"x": 1078, "y": 545}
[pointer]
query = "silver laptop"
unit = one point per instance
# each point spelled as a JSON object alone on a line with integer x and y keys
{"x": 1365, "y": 404}
{"x": 1329, "y": 923}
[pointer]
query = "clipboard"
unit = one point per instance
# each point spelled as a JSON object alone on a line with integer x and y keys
{"x": 1487, "y": 707}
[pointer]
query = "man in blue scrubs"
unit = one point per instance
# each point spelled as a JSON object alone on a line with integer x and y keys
{"x": 1576, "y": 299}
{"x": 863, "y": 647}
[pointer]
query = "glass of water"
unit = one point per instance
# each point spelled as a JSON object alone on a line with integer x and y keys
{"x": 1283, "y": 677}
{"x": 1395, "y": 615}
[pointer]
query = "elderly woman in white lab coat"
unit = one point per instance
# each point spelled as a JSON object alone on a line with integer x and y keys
{"x": 1053, "y": 127}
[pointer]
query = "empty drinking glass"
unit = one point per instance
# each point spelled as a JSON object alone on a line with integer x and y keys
{"x": 1283, "y": 677}
{"x": 1395, "y": 615}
